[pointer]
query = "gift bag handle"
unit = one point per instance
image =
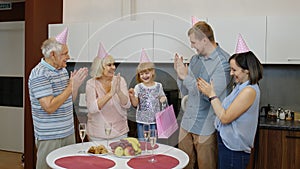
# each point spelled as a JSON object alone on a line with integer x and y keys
{"x": 164, "y": 105}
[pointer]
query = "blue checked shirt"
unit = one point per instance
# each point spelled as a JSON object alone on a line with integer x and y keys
{"x": 199, "y": 116}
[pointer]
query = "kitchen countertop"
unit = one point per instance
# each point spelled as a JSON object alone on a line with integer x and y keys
{"x": 265, "y": 123}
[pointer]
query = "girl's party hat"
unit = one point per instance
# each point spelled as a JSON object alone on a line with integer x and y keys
{"x": 144, "y": 58}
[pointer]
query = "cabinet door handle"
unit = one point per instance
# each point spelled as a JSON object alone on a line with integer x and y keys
{"x": 293, "y": 137}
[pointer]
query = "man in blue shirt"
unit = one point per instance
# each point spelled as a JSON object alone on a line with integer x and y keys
{"x": 51, "y": 94}
{"x": 197, "y": 125}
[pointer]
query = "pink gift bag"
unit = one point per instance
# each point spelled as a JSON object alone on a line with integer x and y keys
{"x": 166, "y": 122}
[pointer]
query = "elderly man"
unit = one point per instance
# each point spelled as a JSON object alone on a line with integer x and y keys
{"x": 52, "y": 93}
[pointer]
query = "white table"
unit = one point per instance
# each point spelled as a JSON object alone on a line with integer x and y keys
{"x": 73, "y": 149}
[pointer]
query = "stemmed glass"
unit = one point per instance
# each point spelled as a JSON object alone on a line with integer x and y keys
{"x": 146, "y": 130}
{"x": 152, "y": 139}
{"x": 82, "y": 133}
{"x": 107, "y": 128}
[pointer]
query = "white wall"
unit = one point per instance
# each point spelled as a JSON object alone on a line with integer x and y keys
{"x": 228, "y": 18}
{"x": 210, "y": 8}
{"x": 12, "y": 64}
{"x": 108, "y": 10}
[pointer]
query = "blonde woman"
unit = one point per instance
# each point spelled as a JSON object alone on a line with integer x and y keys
{"x": 107, "y": 99}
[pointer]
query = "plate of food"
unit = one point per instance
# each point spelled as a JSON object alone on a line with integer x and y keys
{"x": 126, "y": 148}
{"x": 99, "y": 150}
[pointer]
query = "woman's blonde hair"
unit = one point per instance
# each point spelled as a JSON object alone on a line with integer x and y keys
{"x": 146, "y": 66}
{"x": 98, "y": 65}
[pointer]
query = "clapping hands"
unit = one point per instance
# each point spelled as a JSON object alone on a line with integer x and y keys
{"x": 78, "y": 77}
{"x": 205, "y": 87}
{"x": 115, "y": 86}
{"x": 180, "y": 68}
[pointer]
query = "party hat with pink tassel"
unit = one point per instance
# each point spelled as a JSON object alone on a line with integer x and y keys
{"x": 62, "y": 37}
{"x": 144, "y": 58}
{"x": 101, "y": 51}
{"x": 194, "y": 20}
{"x": 241, "y": 46}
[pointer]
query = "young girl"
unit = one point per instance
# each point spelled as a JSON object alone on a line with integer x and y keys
{"x": 146, "y": 95}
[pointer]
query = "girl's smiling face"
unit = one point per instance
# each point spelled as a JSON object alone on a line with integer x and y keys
{"x": 146, "y": 76}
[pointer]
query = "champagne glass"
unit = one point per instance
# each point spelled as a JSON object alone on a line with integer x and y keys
{"x": 146, "y": 130}
{"x": 152, "y": 139}
{"x": 82, "y": 133}
{"x": 107, "y": 128}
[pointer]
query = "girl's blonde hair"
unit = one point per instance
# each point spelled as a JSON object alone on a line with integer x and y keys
{"x": 98, "y": 65}
{"x": 146, "y": 66}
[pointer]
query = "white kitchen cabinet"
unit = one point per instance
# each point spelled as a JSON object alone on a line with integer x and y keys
{"x": 252, "y": 29}
{"x": 77, "y": 39}
{"x": 123, "y": 40}
{"x": 283, "y": 34}
{"x": 170, "y": 37}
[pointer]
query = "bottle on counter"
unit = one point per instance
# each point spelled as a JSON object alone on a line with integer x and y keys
{"x": 281, "y": 115}
{"x": 288, "y": 114}
{"x": 278, "y": 112}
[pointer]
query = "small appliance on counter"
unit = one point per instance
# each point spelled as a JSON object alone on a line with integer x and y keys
{"x": 271, "y": 113}
{"x": 264, "y": 110}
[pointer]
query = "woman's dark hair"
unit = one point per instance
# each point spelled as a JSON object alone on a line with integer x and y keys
{"x": 248, "y": 61}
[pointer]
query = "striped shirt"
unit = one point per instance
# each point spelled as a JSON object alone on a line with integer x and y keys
{"x": 45, "y": 80}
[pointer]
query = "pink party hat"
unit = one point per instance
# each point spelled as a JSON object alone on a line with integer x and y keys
{"x": 194, "y": 20}
{"x": 62, "y": 37}
{"x": 241, "y": 46}
{"x": 101, "y": 51}
{"x": 144, "y": 58}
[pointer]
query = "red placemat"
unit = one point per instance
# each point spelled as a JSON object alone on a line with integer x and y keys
{"x": 162, "y": 162}
{"x": 84, "y": 162}
{"x": 143, "y": 145}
